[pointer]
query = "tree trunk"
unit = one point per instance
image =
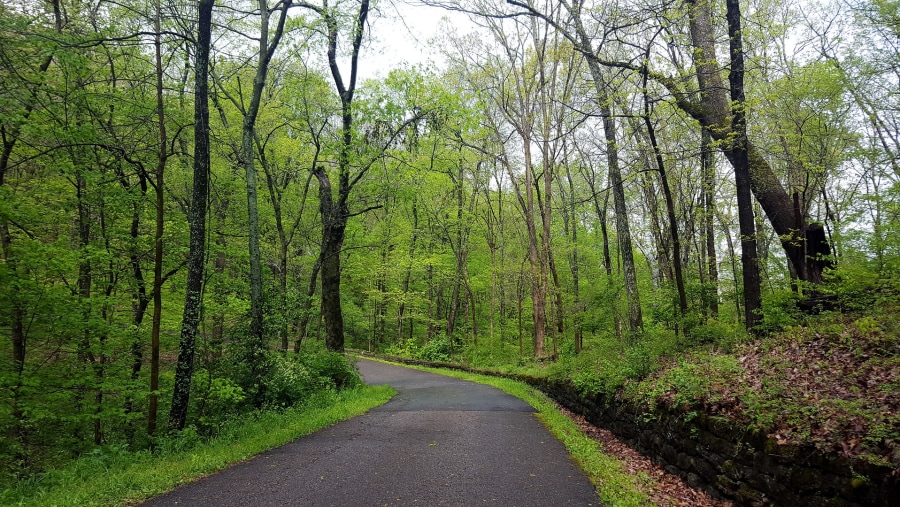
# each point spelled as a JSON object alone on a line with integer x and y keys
{"x": 335, "y": 214}
{"x": 739, "y": 156}
{"x": 404, "y": 289}
{"x": 623, "y": 231}
{"x": 248, "y": 133}
{"x": 307, "y": 305}
{"x": 708, "y": 170}
{"x": 537, "y": 270}
{"x": 670, "y": 204}
{"x": 197, "y": 222}
{"x": 160, "y": 229}
{"x": 538, "y": 295}
{"x": 334, "y": 222}
{"x": 573, "y": 263}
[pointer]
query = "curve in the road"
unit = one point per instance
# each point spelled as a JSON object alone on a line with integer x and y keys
{"x": 440, "y": 441}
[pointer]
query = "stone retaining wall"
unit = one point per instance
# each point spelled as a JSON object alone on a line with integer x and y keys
{"x": 714, "y": 454}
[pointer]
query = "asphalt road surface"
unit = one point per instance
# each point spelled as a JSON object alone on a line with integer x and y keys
{"x": 440, "y": 441}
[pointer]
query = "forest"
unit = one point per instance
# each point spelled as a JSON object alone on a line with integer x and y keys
{"x": 204, "y": 203}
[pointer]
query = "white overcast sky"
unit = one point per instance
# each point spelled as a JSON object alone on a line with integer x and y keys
{"x": 402, "y": 32}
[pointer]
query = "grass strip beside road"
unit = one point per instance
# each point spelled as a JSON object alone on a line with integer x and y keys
{"x": 615, "y": 486}
{"x": 125, "y": 478}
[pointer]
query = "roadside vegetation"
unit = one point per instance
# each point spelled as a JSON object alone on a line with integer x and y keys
{"x": 117, "y": 475}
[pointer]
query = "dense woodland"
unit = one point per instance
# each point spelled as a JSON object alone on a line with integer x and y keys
{"x": 197, "y": 198}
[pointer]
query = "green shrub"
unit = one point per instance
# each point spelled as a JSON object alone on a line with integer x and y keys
{"x": 779, "y": 310}
{"x": 725, "y": 336}
{"x": 406, "y": 348}
{"x": 288, "y": 381}
{"x": 609, "y": 364}
{"x": 216, "y": 399}
{"x": 437, "y": 350}
{"x": 332, "y": 370}
{"x": 688, "y": 382}
{"x": 856, "y": 287}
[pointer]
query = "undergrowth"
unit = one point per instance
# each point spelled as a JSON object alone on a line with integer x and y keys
{"x": 116, "y": 476}
{"x": 831, "y": 383}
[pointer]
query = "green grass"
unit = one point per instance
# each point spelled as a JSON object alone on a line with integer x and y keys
{"x": 615, "y": 486}
{"x": 123, "y": 478}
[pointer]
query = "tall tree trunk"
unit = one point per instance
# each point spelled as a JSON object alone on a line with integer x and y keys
{"x": 740, "y": 160}
{"x": 335, "y": 213}
{"x": 708, "y": 170}
{"x": 160, "y": 229}
{"x": 197, "y": 221}
{"x": 716, "y": 113}
{"x": 623, "y": 230}
{"x": 266, "y": 52}
{"x": 670, "y": 204}
{"x": 537, "y": 268}
{"x": 538, "y": 274}
{"x": 404, "y": 288}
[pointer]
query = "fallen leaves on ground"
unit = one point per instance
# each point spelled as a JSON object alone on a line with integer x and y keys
{"x": 836, "y": 388}
{"x": 664, "y": 488}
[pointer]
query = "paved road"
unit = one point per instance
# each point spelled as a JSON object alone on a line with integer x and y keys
{"x": 440, "y": 441}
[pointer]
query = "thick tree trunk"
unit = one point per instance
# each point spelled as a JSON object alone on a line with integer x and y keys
{"x": 334, "y": 223}
{"x": 196, "y": 220}
{"x": 335, "y": 213}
